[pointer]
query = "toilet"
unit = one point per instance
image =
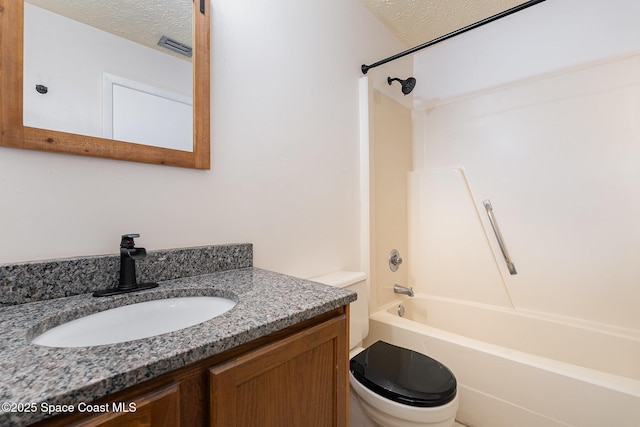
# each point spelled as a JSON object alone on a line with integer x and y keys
{"x": 391, "y": 386}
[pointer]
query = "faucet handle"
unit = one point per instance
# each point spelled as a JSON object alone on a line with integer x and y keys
{"x": 127, "y": 241}
{"x": 394, "y": 260}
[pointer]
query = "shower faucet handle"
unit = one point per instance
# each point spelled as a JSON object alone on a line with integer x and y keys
{"x": 394, "y": 260}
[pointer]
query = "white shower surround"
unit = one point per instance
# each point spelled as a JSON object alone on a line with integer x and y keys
{"x": 557, "y": 155}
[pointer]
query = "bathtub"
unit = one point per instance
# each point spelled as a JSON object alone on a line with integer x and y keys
{"x": 522, "y": 369}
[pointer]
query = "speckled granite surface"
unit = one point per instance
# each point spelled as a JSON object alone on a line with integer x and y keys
{"x": 35, "y": 281}
{"x": 267, "y": 302}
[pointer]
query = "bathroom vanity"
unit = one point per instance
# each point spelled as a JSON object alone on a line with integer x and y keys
{"x": 294, "y": 377}
{"x": 279, "y": 357}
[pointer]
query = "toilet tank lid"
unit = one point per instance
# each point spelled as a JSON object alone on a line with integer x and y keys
{"x": 341, "y": 279}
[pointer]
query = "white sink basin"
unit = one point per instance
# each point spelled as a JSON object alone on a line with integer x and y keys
{"x": 135, "y": 321}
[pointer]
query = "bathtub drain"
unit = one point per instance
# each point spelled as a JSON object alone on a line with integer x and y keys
{"x": 401, "y": 310}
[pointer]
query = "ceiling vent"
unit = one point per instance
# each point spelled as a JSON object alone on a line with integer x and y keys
{"x": 175, "y": 46}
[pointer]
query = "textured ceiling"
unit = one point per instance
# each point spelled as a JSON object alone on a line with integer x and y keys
{"x": 145, "y": 21}
{"x": 418, "y": 21}
{"x": 142, "y": 21}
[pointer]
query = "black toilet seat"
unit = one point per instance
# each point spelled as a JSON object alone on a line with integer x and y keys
{"x": 403, "y": 375}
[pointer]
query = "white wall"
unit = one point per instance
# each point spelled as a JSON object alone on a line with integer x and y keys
{"x": 549, "y": 36}
{"x": 553, "y": 143}
{"x": 285, "y": 153}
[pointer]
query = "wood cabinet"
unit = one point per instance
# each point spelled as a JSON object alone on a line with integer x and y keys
{"x": 159, "y": 408}
{"x": 297, "y": 381}
{"x": 294, "y": 377}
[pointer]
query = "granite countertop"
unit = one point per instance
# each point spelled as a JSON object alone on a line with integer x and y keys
{"x": 43, "y": 376}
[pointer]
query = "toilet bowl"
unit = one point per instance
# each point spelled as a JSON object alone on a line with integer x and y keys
{"x": 392, "y": 386}
{"x": 402, "y": 388}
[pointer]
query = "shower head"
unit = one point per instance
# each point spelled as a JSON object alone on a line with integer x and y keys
{"x": 407, "y": 85}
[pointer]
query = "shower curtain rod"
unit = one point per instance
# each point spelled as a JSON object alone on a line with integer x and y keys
{"x": 507, "y": 12}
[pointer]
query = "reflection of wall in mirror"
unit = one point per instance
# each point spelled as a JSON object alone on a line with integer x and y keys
{"x": 74, "y": 100}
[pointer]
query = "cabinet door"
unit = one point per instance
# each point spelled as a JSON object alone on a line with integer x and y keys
{"x": 159, "y": 408}
{"x": 300, "y": 380}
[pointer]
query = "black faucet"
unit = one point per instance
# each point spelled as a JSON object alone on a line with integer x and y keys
{"x": 128, "y": 256}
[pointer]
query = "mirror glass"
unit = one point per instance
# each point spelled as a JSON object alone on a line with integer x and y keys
{"x": 116, "y": 70}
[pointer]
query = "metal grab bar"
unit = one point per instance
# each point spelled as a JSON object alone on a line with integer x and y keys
{"x": 496, "y": 230}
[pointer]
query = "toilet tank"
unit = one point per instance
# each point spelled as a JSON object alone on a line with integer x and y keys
{"x": 359, "y": 310}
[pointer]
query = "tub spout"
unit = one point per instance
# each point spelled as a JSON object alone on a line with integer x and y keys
{"x": 403, "y": 290}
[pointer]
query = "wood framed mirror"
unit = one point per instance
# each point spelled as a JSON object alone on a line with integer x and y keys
{"x": 14, "y": 133}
